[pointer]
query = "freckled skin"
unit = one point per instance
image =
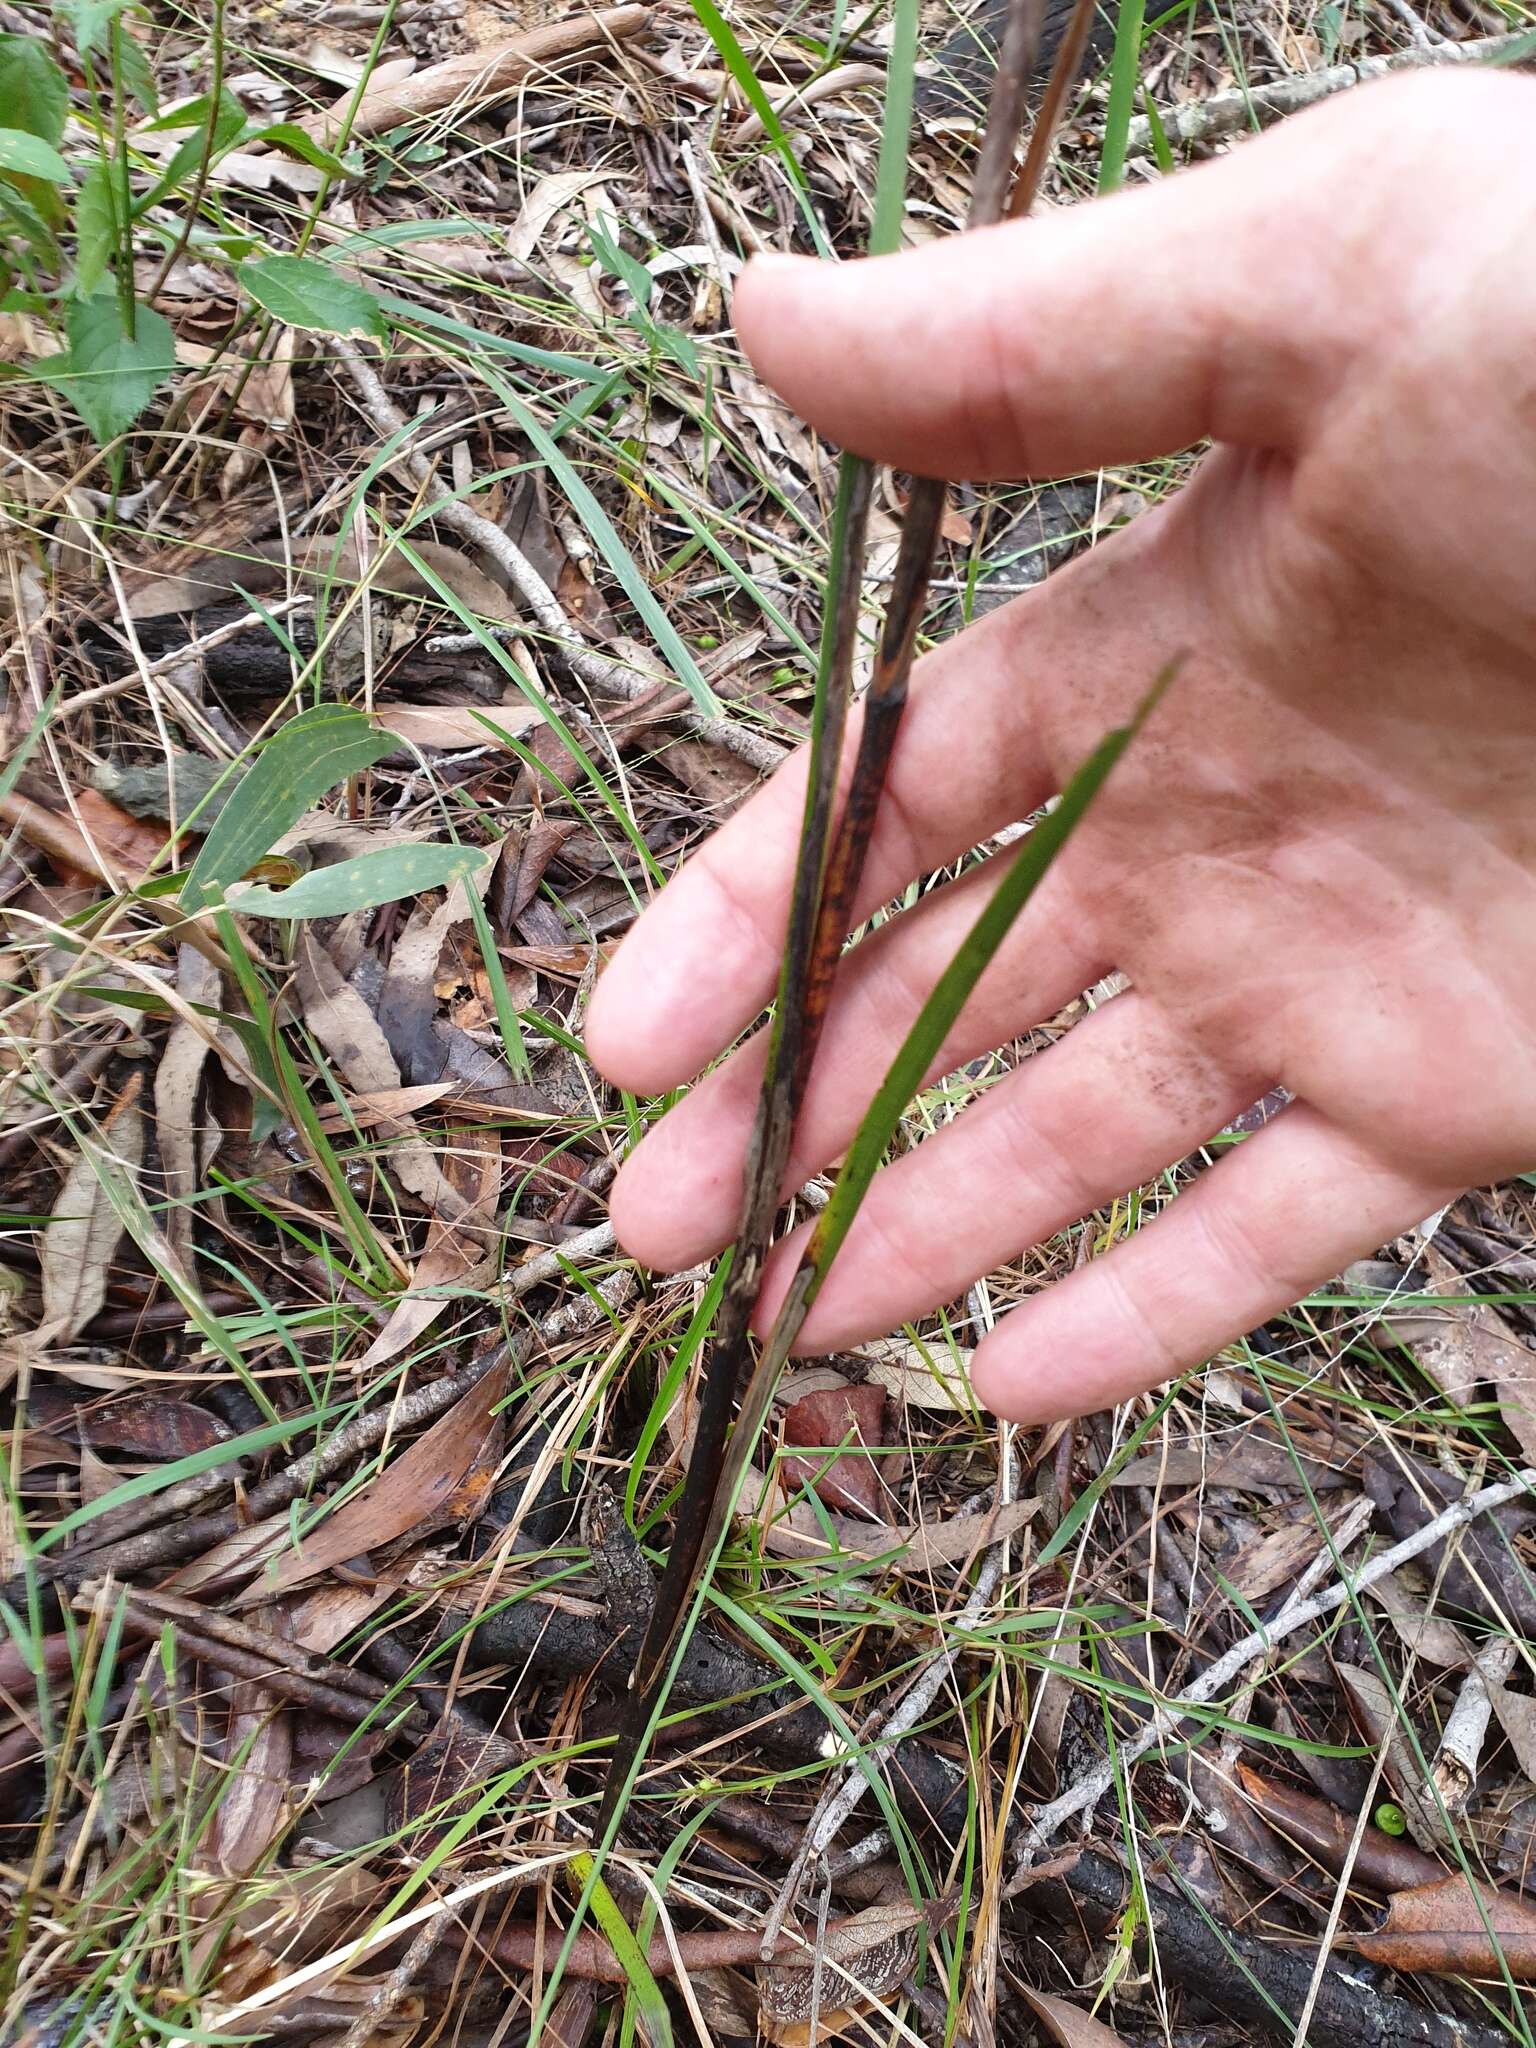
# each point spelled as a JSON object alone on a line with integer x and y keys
{"x": 1317, "y": 867}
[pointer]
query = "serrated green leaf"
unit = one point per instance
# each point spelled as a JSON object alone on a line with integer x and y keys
{"x": 386, "y": 876}
{"x": 88, "y": 18}
{"x": 95, "y": 228}
{"x": 108, "y": 375}
{"x": 303, "y": 292}
{"x": 29, "y": 156}
{"x": 33, "y": 90}
{"x": 301, "y": 761}
{"x": 134, "y": 74}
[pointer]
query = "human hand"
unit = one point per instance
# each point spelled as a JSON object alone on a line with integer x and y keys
{"x": 1318, "y": 864}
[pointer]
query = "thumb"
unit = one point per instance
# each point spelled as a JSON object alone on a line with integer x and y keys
{"x": 1226, "y": 301}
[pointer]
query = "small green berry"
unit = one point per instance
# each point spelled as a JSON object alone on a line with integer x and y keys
{"x": 783, "y": 677}
{"x": 1390, "y": 1819}
{"x": 707, "y": 640}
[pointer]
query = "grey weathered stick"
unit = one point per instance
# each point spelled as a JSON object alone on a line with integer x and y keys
{"x": 598, "y": 671}
{"x": 1043, "y": 1826}
{"x": 1226, "y": 114}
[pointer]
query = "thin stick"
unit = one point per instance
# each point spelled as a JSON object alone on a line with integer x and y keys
{"x": 598, "y": 671}
{"x": 1048, "y": 1822}
{"x": 1069, "y": 61}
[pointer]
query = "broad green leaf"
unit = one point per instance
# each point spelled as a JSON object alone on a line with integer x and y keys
{"x": 95, "y": 228}
{"x": 302, "y": 292}
{"x": 108, "y": 375}
{"x": 229, "y": 124}
{"x": 297, "y": 141}
{"x": 383, "y": 877}
{"x": 301, "y": 761}
{"x": 88, "y": 18}
{"x": 21, "y": 214}
{"x": 34, "y": 93}
{"x": 29, "y": 156}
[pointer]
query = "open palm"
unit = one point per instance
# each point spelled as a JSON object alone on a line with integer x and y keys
{"x": 1318, "y": 865}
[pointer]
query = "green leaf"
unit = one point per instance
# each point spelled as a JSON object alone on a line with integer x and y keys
{"x": 301, "y": 761}
{"x": 619, "y": 263}
{"x": 95, "y": 228}
{"x": 297, "y": 141}
{"x": 108, "y": 375}
{"x": 229, "y": 124}
{"x": 1124, "y": 80}
{"x": 191, "y": 113}
{"x": 134, "y": 73}
{"x": 29, "y": 156}
{"x": 373, "y": 878}
{"x": 895, "y": 133}
{"x": 937, "y": 1017}
{"x": 739, "y": 65}
{"x": 87, "y": 19}
{"x": 33, "y": 90}
{"x": 302, "y": 292}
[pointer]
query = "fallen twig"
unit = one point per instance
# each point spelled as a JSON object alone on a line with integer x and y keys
{"x": 1225, "y": 114}
{"x": 477, "y": 78}
{"x": 1043, "y": 1826}
{"x": 598, "y": 671}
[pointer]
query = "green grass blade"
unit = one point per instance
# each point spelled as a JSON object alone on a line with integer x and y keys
{"x": 905, "y": 1076}
{"x": 736, "y": 61}
{"x": 1124, "y": 78}
{"x": 650, "y": 2006}
{"x": 895, "y": 127}
{"x": 615, "y": 554}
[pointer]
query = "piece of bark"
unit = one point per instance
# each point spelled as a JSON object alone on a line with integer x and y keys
{"x": 479, "y": 77}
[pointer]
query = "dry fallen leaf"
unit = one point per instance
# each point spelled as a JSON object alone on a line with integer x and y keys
{"x": 79, "y": 1243}
{"x": 827, "y": 1418}
{"x": 350, "y": 1033}
{"x": 459, "y": 1248}
{"x": 1465, "y": 1345}
{"x": 144, "y": 1425}
{"x": 863, "y": 1958}
{"x": 1376, "y": 1716}
{"x": 1385, "y": 1862}
{"x": 411, "y": 1494}
{"x": 924, "y": 1377}
{"x": 1068, "y": 2024}
{"x": 1443, "y": 1929}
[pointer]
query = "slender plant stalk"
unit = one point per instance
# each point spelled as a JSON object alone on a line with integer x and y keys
{"x": 826, "y": 883}
{"x": 1069, "y": 62}
{"x": 902, "y": 1081}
